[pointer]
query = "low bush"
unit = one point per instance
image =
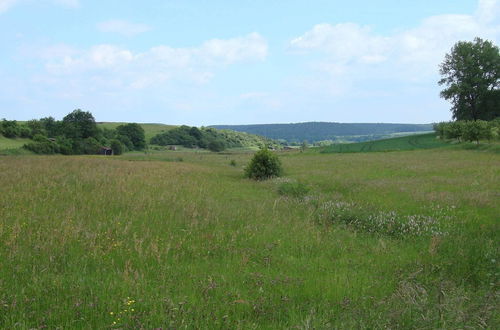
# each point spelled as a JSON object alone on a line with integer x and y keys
{"x": 264, "y": 165}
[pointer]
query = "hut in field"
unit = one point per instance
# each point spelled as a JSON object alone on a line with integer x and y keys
{"x": 106, "y": 151}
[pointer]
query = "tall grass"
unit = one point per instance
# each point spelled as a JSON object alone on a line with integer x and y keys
{"x": 94, "y": 242}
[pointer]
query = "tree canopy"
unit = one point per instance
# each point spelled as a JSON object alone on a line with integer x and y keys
{"x": 471, "y": 74}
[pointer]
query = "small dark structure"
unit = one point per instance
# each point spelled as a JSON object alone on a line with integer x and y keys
{"x": 174, "y": 148}
{"x": 106, "y": 151}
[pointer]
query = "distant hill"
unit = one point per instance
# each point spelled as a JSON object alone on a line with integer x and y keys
{"x": 320, "y": 131}
{"x": 412, "y": 142}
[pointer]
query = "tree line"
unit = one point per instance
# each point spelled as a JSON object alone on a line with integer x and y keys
{"x": 77, "y": 133}
{"x": 469, "y": 130}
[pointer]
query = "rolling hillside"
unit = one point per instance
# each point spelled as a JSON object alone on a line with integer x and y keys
{"x": 319, "y": 131}
{"x": 412, "y": 142}
{"x": 149, "y": 129}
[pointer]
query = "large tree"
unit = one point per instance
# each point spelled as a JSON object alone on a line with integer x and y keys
{"x": 79, "y": 125}
{"x": 135, "y": 133}
{"x": 471, "y": 74}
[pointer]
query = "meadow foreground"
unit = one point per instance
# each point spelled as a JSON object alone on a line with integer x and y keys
{"x": 150, "y": 241}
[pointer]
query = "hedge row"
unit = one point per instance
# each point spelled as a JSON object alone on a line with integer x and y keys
{"x": 463, "y": 130}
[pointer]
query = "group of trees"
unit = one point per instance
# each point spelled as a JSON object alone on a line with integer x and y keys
{"x": 469, "y": 130}
{"x": 210, "y": 138}
{"x": 191, "y": 137}
{"x": 77, "y": 133}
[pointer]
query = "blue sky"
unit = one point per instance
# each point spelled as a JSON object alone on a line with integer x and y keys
{"x": 233, "y": 62}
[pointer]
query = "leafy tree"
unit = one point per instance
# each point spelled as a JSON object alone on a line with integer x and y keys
{"x": 471, "y": 74}
{"x": 10, "y": 128}
{"x": 79, "y": 125}
{"x": 264, "y": 165}
{"x": 51, "y": 126}
{"x": 127, "y": 143}
{"x": 135, "y": 133}
{"x": 36, "y": 127}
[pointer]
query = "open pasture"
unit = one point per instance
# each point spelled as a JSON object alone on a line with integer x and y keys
{"x": 182, "y": 240}
{"x": 410, "y": 142}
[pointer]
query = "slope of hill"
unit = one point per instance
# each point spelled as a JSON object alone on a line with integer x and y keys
{"x": 411, "y": 142}
{"x": 150, "y": 130}
{"x": 319, "y": 131}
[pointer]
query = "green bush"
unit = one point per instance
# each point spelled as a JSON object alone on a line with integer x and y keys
{"x": 264, "y": 165}
{"x": 117, "y": 147}
{"x": 293, "y": 189}
{"x": 216, "y": 145}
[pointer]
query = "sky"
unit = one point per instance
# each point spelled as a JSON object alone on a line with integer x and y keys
{"x": 208, "y": 62}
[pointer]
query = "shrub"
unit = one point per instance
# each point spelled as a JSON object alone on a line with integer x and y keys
{"x": 91, "y": 146}
{"x": 9, "y": 128}
{"x": 216, "y": 146}
{"x": 42, "y": 145}
{"x": 232, "y": 162}
{"x": 264, "y": 165}
{"x": 293, "y": 189}
{"x": 117, "y": 147}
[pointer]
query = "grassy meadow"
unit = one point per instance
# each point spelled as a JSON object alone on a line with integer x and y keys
{"x": 410, "y": 142}
{"x": 182, "y": 240}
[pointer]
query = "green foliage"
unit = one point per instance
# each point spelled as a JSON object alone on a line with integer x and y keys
{"x": 209, "y": 138}
{"x": 91, "y": 146}
{"x": 293, "y": 189}
{"x": 79, "y": 125}
{"x": 42, "y": 145}
{"x": 9, "y": 128}
{"x": 216, "y": 145}
{"x": 232, "y": 163}
{"x": 469, "y": 130}
{"x": 471, "y": 74}
{"x": 135, "y": 133}
{"x": 117, "y": 147}
{"x": 264, "y": 165}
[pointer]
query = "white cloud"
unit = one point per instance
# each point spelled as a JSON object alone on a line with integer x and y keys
{"x": 156, "y": 65}
{"x": 344, "y": 42}
{"x": 250, "y": 47}
{"x": 125, "y": 28}
{"x": 488, "y": 11}
{"x": 349, "y": 49}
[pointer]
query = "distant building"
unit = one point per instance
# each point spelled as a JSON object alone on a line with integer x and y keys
{"x": 106, "y": 151}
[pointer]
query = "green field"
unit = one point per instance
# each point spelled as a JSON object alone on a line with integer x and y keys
{"x": 184, "y": 241}
{"x": 150, "y": 130}
{"x": 411, "y": 142}
{"x": 12, "y": 146}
